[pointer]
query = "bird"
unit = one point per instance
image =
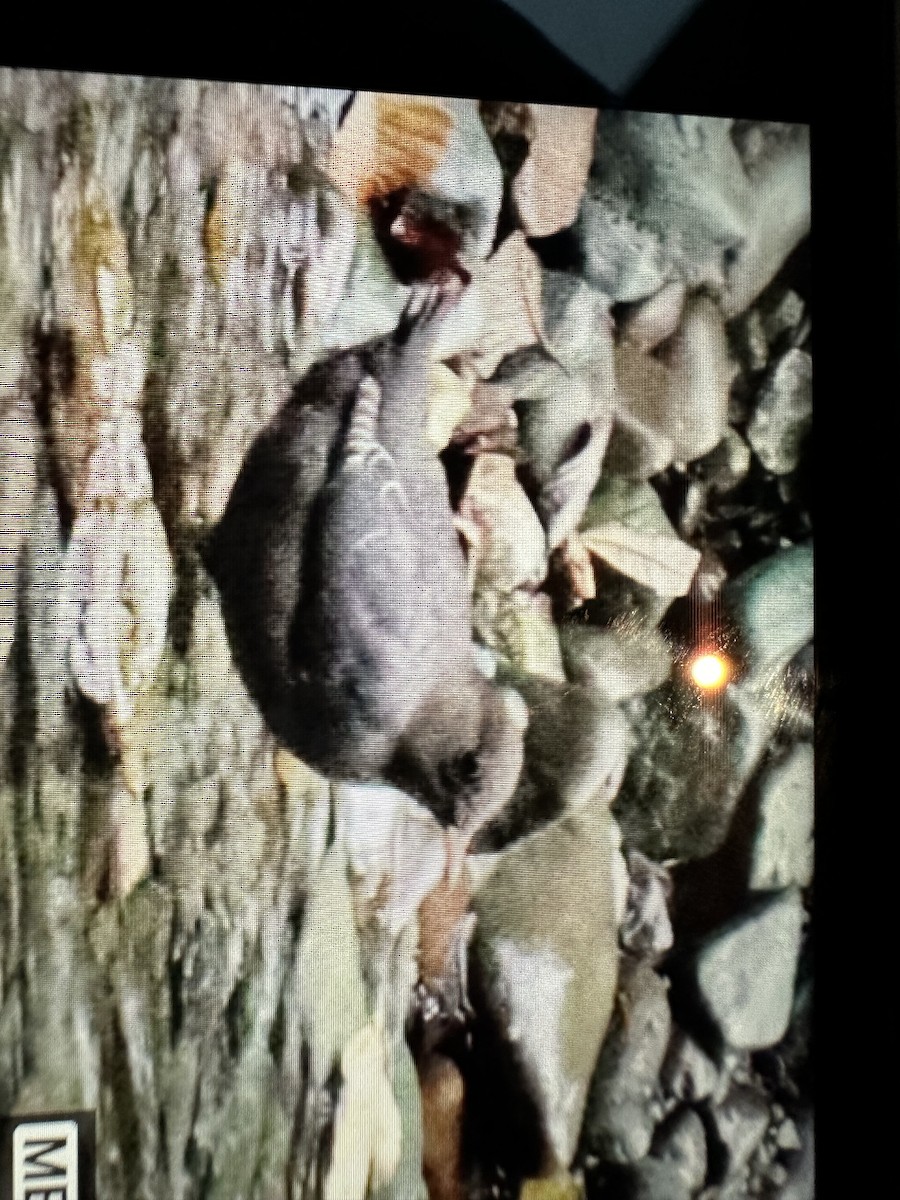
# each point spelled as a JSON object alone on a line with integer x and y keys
{"x": 344, "y": 590}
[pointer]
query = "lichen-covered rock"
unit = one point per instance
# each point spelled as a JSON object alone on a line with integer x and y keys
{"x": 680, "y": 788}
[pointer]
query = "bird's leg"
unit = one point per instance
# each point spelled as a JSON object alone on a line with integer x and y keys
{"x": 445, "y": 930}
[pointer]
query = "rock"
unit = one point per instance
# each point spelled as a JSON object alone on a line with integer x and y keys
{"x": 627, "y": 659}
{"x": 746, "y": 972}
{"x": 655, "y": 1180}
{"x": 618, "y": 1123}
{"x": 647, "y": 218}
{"x": 800, "y": 1183}
{"x": 545, "y": 941}
{"x": 621, "y": 880}
{"x": 576, "y": 748}
{"x": 783, "y": 849}
{"x": 673, "y": 198}
{"x": 784, "y": 317}
{"x": 646, "y": 929}
{"x": 680, "y": 1143}
{"x": 681, "y": 785}
{"x": 772, "y": 604}
{"x": 787, "y": 1137}
{"x": 676, "y": 408}
{"x": 783, "y": 413}
{"x": 688, "y": 1073}
{"x": 547, "y": 190}
{"x": 740, "y": 1122}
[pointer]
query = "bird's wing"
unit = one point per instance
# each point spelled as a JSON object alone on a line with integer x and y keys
{"x": 375, "y": 596}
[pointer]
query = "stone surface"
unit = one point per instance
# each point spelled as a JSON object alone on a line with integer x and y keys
{"x": 688, "y": 1072}
{"x": 681, "y": 784}
{"x": 680, "y": 1143}
{"x": 746, "y": 971}
{"x": 772, "y": 603}
{"x": 655, "y": 1180}
{"x": 646, "y": 929}
{"x": 783, "y": 413}
{"x": 740, "y": 1122}
{"x": 619, "y": 1123}
{"x": 627, "y": 659}
{"x": 783, "y": 847}
{"x": 551, "y": 967}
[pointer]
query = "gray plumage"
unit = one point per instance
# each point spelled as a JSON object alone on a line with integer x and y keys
{"x": 344, "y": 591}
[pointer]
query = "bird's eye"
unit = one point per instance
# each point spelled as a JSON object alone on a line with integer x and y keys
{"x": 468, "y": 767}
{"x": 462, "y": 772}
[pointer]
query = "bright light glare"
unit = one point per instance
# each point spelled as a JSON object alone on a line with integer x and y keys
{"x": 709, "y": 671}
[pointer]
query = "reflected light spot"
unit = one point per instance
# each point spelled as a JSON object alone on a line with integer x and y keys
{"x": 709, "y": 671}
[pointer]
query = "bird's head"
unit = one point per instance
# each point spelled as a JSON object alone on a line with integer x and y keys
{"x": 464, "y": 766}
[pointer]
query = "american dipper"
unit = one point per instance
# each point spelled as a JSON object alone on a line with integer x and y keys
{"x": 343, "y": 586}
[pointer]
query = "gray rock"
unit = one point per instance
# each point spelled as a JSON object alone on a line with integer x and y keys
{"x": 655, "y": 1180}
{"x": 772, "y": 604}
{"x": 688, "y": 1073}
{"x": 624, "y": 660}
{"x": 740, "y": 1122}
{"x": 800, "y": 1183}
{"x": 783, "y": 413}
{"x": 702, "y": 200}
{"x": 683, "y": 778}
{"x": 783, "y": 848}
{"x": 546, "y": 942}
{"x": 787, "y": 1137}
{"x": 646, "y": 928}
{"x": 785, "y": 316}
{"x": 618, "y": 1122}
{"x": 746, "y": 972}
{"x": 680, "y": 1143}
{"x": 657, "y": 205}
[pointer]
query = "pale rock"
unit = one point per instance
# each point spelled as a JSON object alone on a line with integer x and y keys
{"x": 740, "y": 1122}
{"x": 783, "y": 414}
{"x": 772, "y": 603}
{"x": 551, "y": 967}
{"x": 783, "y": 847}
{"x": 746, "y": 972}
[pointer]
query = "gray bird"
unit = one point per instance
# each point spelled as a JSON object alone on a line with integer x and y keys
{"x": 343, "y": 586}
